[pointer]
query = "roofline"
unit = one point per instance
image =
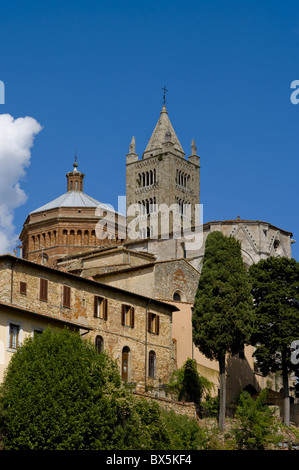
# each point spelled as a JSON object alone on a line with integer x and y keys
{"x": 142, "y": 266}
{"x": 18, "y": 308}
{"x": 220, "y": 222}
{"x": 15, "y": 259}
{"x": 95, "y": 252}
{"x": 206, "y": 225}
{"x": 102, "y": 205}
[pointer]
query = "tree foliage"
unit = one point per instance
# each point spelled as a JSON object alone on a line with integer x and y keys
{"x": 60, "y": 394}
{"x": 185, "y": 433}
{"x": 222, "y": 317}
{"x": 188, "y": 385}
{"x": 275, "y": 288}
{"x": 256, "y": 427}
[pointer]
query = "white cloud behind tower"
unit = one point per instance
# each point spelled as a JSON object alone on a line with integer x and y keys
{"x": 16, "y": 140}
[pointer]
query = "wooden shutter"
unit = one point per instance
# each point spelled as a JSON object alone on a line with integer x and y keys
{"x": 44, "y": 289}
{"x": 66, "y": 296}
{"x": 123, "y": 314}
{"x": 95, "y": 306}
{"x": 23, "y": 288}
{"x": 157, "y": 324}
{"x": 105, "y": 306}
{"x": 132, "y": 316}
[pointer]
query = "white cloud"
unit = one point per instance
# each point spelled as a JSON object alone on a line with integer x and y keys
{"x": 16, "y": 140}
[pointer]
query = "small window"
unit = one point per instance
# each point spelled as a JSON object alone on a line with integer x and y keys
{"x": 176, "y": 296}
{"x": 66, "y": 296}
{"x": 37, "y": 331}
{"x": 153, "y": 323}
{"x": 152, "y": 364}
{"x": 99, "y": 343}
{"x": 43, "y": 290}
{"x": 23, "y": 287}
{"x": 127, "y": 315}
{"x": 83, "y": 302}
{"x": 100, "y": 307}
{"x": 126, "y": 359}
{"x": 14, "y": 336}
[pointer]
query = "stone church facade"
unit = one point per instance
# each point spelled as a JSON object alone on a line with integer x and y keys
{"x": 161, "y": 262}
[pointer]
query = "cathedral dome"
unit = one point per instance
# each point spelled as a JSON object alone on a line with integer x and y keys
{"x": 71, "y": 199}
{"x": 71, "y": 223}
{"x": 74, "y": 197}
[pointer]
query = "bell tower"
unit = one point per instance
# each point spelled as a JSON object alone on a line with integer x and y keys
{"x": 163, "y": 177}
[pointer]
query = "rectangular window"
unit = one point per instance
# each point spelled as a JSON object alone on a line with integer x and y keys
{"x": 153, "y": 323}
{"x": 127, "y": 315}
{"x": 37, "y": 331}
{"x": 100, "y": 307}
{"x": 23, "y": 288}
{"x": 43, "y": 295}
{"x": 14, "y": 334}
{"x": 66, "y": 296}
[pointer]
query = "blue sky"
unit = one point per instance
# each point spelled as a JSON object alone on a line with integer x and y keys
{"x": 91, "y": 73}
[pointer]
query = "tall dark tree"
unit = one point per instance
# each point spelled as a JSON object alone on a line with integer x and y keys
{"x": 222, "y": 317}
{"x": 275, "y": 288}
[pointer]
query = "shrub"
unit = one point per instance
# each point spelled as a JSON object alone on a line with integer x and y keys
{"x": 187, "y": 384}
{"x": 257, "y": 427}
{"x": 184, "y": 432}
{"x": 60, "y": 394}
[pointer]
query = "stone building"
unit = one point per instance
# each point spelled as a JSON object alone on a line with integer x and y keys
{"x": 162, "y": 179}
{"x": 163, "y": 264}
{"x": 69, "y": 224}
{"x": 135, "y": 330}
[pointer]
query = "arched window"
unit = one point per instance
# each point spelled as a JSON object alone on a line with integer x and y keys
{"x": 152, "y": 364}
{"x": 99, "y": 344}
{"x": 177, "y": 296}
{"x": 64, "y": 234}
{"x": 72, "y": 237}
{"x": 79, "y": 237}
{"x": 125, "y": 357}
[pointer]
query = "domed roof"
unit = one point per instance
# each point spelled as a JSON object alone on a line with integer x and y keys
{"x": 72, "y": 199}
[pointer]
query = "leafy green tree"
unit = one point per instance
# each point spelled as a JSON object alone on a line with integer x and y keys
{"x": 59, "y": 393}
{"x": 257, "y": 426}
{"x": 222, "y": 316}
{"x": 275, "y": 289}
{"x": 188, "y": 385}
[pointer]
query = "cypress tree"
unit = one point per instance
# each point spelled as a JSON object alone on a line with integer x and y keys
{"x": 275, "y": 289}
{"x": 222, "y": 317}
